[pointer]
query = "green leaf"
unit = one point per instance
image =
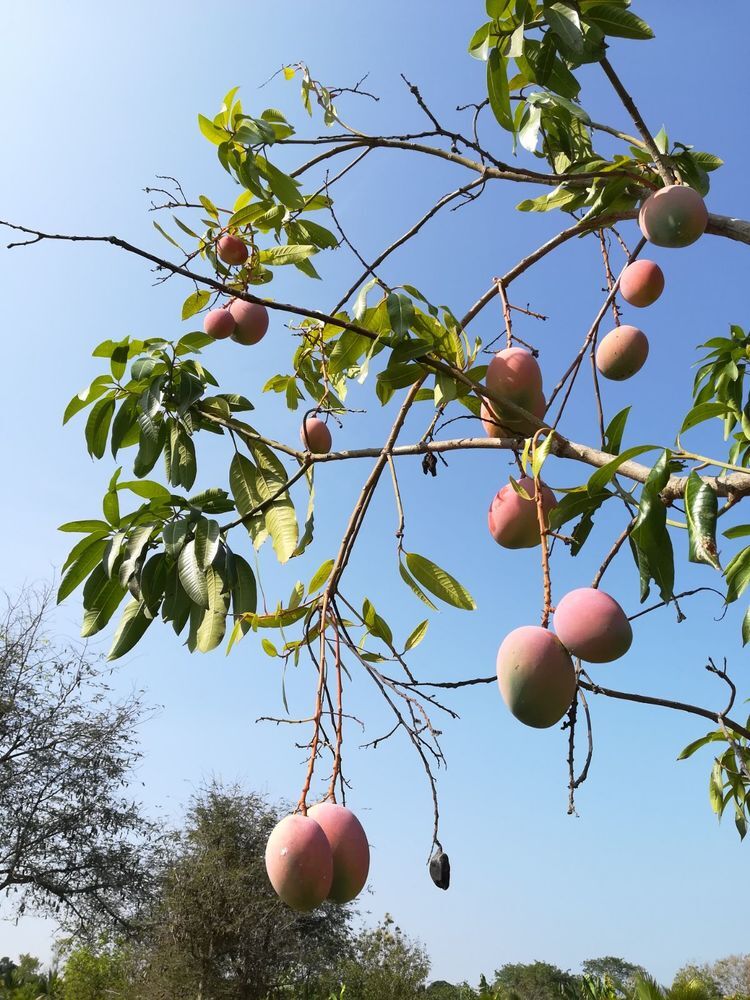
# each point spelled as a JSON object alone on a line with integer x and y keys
{"x": 577, "y": 503}
{"x": 690, "y": 749}
{"x": 540, "y": 454}
{"x": 400, "y": 313}
{"x": 701, "y": 511}
{"x": 438, "y": 582}
{"x": 746, "y": 628}
{"x": 195, "y": 302}
{"x": 650, "y": 536}
{"x": 97, "y": 426}
{"x": 411, "y": 582}
{"x": 289, "y": 254}
{"x": 86, "y": 396}
{"x": 88, "y": 553}
{"x": 607, "y": 472}
{"x": 566, "y": 24}
{"x": 192, "y": 577}
{"x": 243, "y": 477}
{"x": 213, "y": 133}
{"x": 206, "y": 542}
{"x": 618, "y": 23}
{"x": 174, "y": 534}
{"x": 498, "y": 91}
{"x": 417, "y": 635}
{"x": 244, "y": 591}
{"x": 737, "y": 574}
{"x": 134, "y": 622}
{"x": 320, "y": 577}
{"x": 213, "y": 621}
{"x": 101, "y": 598}
{"x": 704, "y": 411}
{"x": 85, "y": 527}
{"x": 280, "y": 518}
{"x": 615, "y": 430}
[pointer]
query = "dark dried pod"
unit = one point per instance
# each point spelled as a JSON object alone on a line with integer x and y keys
{"x": 440, "y": 869}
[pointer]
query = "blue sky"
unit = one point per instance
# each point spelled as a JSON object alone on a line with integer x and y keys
{"x": 98, "y": 101}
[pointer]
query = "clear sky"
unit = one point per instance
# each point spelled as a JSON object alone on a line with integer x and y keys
{"x": 97, "y": 99}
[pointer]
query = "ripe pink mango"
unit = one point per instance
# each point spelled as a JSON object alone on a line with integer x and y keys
{"x": 641, "y": 283}
{"x": 496, "y": 427}
{"x": 299, "y": 862}
{"x": 592, "y": 625}
{"x": 622, "y": 353}
{"x": 513, "y": 520}
{"x": 251, "y": 321}
{"x": 316, "y": 436}
{"x": 219, "y": 324}
{"x": 673, "y": 216}
{"x": 515, "y": 373}
{"x": 232, "y": 249}
{"x": 536, "y": 676}
{"x": 351, "y": 852}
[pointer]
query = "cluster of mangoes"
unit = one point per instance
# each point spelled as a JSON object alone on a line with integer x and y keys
{"x": 321, "y": 855}
{"x": 247, "y": 323}
{"x": 535, "y": 669}
{"x": 674, "y": 216}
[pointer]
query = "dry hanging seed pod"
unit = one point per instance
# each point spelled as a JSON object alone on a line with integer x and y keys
{"x": 440, "y": 869}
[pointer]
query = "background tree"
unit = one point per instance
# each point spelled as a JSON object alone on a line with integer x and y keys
{"x": 217, "y": 929}
{"x": 618, "y": 971}
{"x": 96, "y": 973}
{"x": 385, "y": 963}
{"x": 726, "y": 977}
{"x": 532, "y": 981}
{"x": 72, "y": 840}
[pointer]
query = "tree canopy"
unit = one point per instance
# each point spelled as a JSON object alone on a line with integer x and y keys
{"x": 176, "y": 546}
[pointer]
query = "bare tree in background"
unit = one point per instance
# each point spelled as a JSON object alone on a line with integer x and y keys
{"x": 72, "y": 839}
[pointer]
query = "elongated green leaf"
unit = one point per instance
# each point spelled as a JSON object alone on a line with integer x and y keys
{"x": 737, "y": 574}
{"x": 214, "y": 133}
{"x": 566, "y": 24}
{"x": 195, "y": 302}
{"x": 85, "y": 527}
{"x": 192, "y": 577}
{"x": 174, "y": 534}
{"x": 244, "y": 592}
{"x": 746, "y": 628}
{"x": 498, "y": 91}
{"x": 134, "y": 622}
{"x": 607, "y": 472}
{"x": 701, "y": 511}
{"x": 438, "y": 582}
{"x": 87, "y": 396}
{"x": 88, "y": 553}
{"x": 412, "y": 583}
{"x": 101, "y": 598}
{"x": 617, "y": 22}
{"x": 615, "y": 430}
{"x": 243, "y": 481}
{"x": 400, "y": 313}
{"x": 97, "y": 426}
{"x": 289, "y": 254}
{"x": 417, "y": 635}
{"x": 704, "y": 411}
{"x": 320, "y": 577}
{"x": 147, "y": 489}
{"x": 206, "y": 542}
{"x": 650, "y": 535}
{"x": 280, "y": 518}
{"x": 576, "y": 504}
{"x": 690, "y": 749}
{"x": 213, "y": 622}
